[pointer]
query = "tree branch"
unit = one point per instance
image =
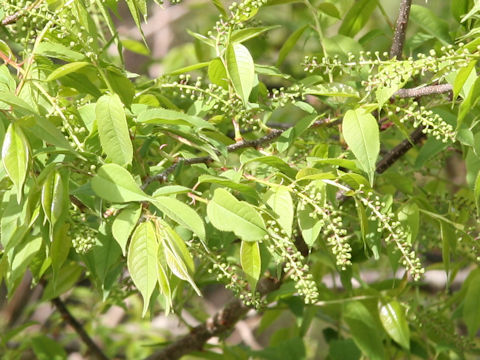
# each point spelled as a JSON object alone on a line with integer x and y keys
{"x": 423, "y": 91}
{"x": 400, "y": 29}
{"x": 398, "y": 151}
{"x": 272, "y": 135}
{"x": 11, "y": 19}
{"x": 93, "y": 348}
{"x": 222, "y": 322}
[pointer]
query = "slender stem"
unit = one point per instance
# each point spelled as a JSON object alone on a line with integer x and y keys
{"x": 400, "y": 29}
{"x": 318, "y": 29}
{"x": 93, "y": 348}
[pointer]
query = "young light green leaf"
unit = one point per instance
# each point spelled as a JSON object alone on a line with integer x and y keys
{"x": 462, "y": 76}
{"x": 66, "y": 69}
{"x": 15, "y": 157}
{"x": 113, "y": 129}
{"x": 392, "y": 316}
{"x": 361, "y": 133}
{"x": 430, "y": 23}
{"x": 180, "y": 213}
{"x": 217, "y": 73}
{"x": 142, "y": 261}
{"x": 53, "y": 200}
{"x": 357, "y": 17}
{"x": 469, "y": 102}
{"x": 163, "y": 280}
{"x": 124, "y": 224}
{"x": 251, "y": 262}
{"x": 176, "y": 254}
{"x": 115, "y": 184}
{"x": 240, "y": 69}
{"x": 241, "y": 35}
{"x": 280, "y": 200}
{"x": 188, "y": 68}
{"x": 227, "y": 213}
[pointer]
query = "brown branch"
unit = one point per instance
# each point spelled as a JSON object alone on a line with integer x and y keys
{"x": 272, "y": 135}
{"x": 11, "y": 19}
{"x": 398, "y": 151}
{"x": 400, "y": 29}
{"x": 67, "y": 316}
{"x": 218, "y": 325}
{"x": 423, "y": 91}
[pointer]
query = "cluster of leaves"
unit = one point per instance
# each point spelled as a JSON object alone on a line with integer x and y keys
{"x": 228, "y": 171}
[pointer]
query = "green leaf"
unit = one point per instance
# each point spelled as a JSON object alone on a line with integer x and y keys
{"x": 240, "y": 69}
{"x": 248, "y": 191}
{"x": 329, "y": 9}
{"x": 459, "y": 8}
{"x": 113, "y": 129}
{"x": 219, "y": 5}
{"x": 163, "y": 280}
{"x": 469, "y": 102}
{"x": 142, "y": 261}
{"x": 171, "y": 117}
{"x": 280, "y": 200}
{"x": 462, "y": 76}
{"x": 251, "y": 262}
{"x": 288, "y": 136}
{"x": 275, "y": 162}
{"x": 124, "y": 224}
{"x": 66, "y": 279}
{"x": 357, "y": 17}
{"x": 53, "y": 197}
{"x": 430, "y": 23}
{"x": 176, "y": 253}
{"x": 217, "y": 73}
{"x": 46, "y": 348}
{"x": 60, "y": 247}
{"x": 202, "y": 38}
{"x": 46, "y": 131}
{"x": 115, "y": 184}
{"x": 226, "y": 213}
{"x": 241, "y": 35}
{"x": 66, "y": 69}
{"x": 364, "y": 330}
{"x": 471, "y": 315}
{"x": 15, "y": 157}
{"x": 392, "y": 316}
{"x": 135, "y": 46}
{"x": 58, "y": 51}
{"x": 180, "y": 213}
{"x": 189, "y": 68}
{"x": 361, "y": 133}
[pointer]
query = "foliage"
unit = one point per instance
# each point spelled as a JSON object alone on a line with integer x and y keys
{"x": 338, "y": 161}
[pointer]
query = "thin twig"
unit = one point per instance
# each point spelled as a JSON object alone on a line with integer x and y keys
{"x": 424, "y": 91}
{"x": 398, "y": 151}
{"x": 400, "y": 29}
{"x": 93, "y": 348}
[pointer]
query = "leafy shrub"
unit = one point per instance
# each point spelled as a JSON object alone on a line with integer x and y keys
{"x": 287, "y": 143}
